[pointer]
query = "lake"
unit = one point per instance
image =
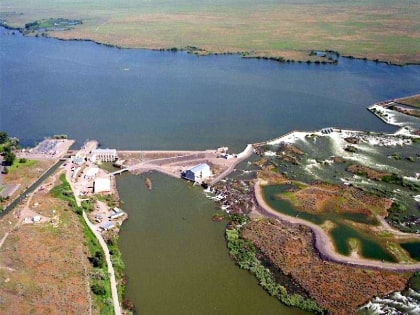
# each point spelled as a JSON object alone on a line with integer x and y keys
{"x": 176, "y": 258}
{"x": 139, "y": 99}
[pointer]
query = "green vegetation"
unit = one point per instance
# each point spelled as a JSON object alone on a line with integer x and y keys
{"x": 414, "y": 281}
{"x": 100, "y": 284}
{"x": 398, "y": 180}
{"x": 117, "y": 262}
{"x": 108, "y": 199}
{"x": 7, "y": 145}
{"x": 50, "y": 25}
{"x": 87, "y": 205}
{"x": 283, "y": 30}
{"x": 63, "y": 136}
{"x": 398, "y": 216}
{"x": 245, "y": 255}
{"x": 21, "y": 163}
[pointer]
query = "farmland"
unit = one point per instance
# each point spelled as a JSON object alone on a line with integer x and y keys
{"x": 387, "y": 31}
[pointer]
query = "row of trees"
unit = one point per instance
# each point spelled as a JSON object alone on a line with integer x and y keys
{"x": 7, "y": 145}
{"x": 245, "y": 255}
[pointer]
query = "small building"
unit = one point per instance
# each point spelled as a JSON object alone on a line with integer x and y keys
{"x": 116, "y": 215}
{"x": 197, "y": 173}
{"x": 102, "y": 185}
{"x": 36, "y": 219}
{"x": 78, "y": 160}
{"x": 104, "y": 155}
{"x": 91, "y": 173}
{"x": 107, "y": 226}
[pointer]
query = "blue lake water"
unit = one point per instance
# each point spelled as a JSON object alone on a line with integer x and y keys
{"x": 134, "y": 99}
{"x": 139, "y": 99}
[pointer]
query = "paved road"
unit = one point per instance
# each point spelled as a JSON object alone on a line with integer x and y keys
{"x": 324, "y": 244}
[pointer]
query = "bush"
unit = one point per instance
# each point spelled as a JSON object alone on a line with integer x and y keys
{"x": 97, "y": 260}
{"x": 245, "y": 255}
{"x": 98, "y": 289}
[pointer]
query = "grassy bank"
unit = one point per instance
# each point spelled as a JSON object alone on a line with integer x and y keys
{"x": 387, "y": 31}
{"x": 99, "y": 279}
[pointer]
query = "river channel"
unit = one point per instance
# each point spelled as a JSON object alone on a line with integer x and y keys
{"x": 176, "y": 258}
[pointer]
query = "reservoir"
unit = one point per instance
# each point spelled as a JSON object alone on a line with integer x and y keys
{"x": 176, "y": 258}
{"x": 140, "y": 99}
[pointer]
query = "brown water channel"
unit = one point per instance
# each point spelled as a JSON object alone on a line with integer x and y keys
{"x": 176, "y": 258}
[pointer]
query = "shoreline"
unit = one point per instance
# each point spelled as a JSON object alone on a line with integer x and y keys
{"x": 203, "y": 53}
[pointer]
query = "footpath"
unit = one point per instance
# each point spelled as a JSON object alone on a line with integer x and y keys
{"x": 111, "y": 272}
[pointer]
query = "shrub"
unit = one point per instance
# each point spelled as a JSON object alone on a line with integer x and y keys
{"x": 98, "y": 289}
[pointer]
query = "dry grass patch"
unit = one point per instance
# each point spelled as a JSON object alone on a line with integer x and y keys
{"x": 387, "y": 31}
{"x": 338, "y": 288}
{"x": 44, "y": 269}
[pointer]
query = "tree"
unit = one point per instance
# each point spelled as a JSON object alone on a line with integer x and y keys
{"x": 98, "y": 260}
{"x": 9, "y": 158}
{"x": 3, "y": 137}
{"x": 98, "y": 289}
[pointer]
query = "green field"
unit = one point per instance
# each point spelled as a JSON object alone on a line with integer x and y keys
{"x": 387, "y": 30}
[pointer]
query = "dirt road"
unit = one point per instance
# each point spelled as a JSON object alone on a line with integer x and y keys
{"x": 324, "y": 244}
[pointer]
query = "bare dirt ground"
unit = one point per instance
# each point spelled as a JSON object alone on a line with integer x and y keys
{"x": 173, "y": 163}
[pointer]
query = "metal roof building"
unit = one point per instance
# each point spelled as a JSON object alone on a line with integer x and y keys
{"x": 197, "y": 173}
{"x": 105, "y": 155}
{"x": 107, "y": 226}
{"x": 102, "y": 185}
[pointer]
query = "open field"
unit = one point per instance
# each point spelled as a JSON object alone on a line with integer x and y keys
{"x": 413, "y": 101}
{"x": 43, "y": 266}
{"x": 384, "y": 30}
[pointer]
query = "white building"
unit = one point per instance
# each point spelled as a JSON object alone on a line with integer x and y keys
{"x": 104, "y": 155}
{"x": 197, "y": 173}
{"x": 91, "y": 173}
{"x": 102, "y": 185}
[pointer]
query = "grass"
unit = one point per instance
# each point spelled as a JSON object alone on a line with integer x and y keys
{"x": 48, "y": 263}
{"x": 413, "y": 101}
{"x": 26, "y": 173}
{"x": 374, "y": 29}
{"x": 103, "y": 299}
{"x": 16, "y": 164}
{"x": 396, "y": 250}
